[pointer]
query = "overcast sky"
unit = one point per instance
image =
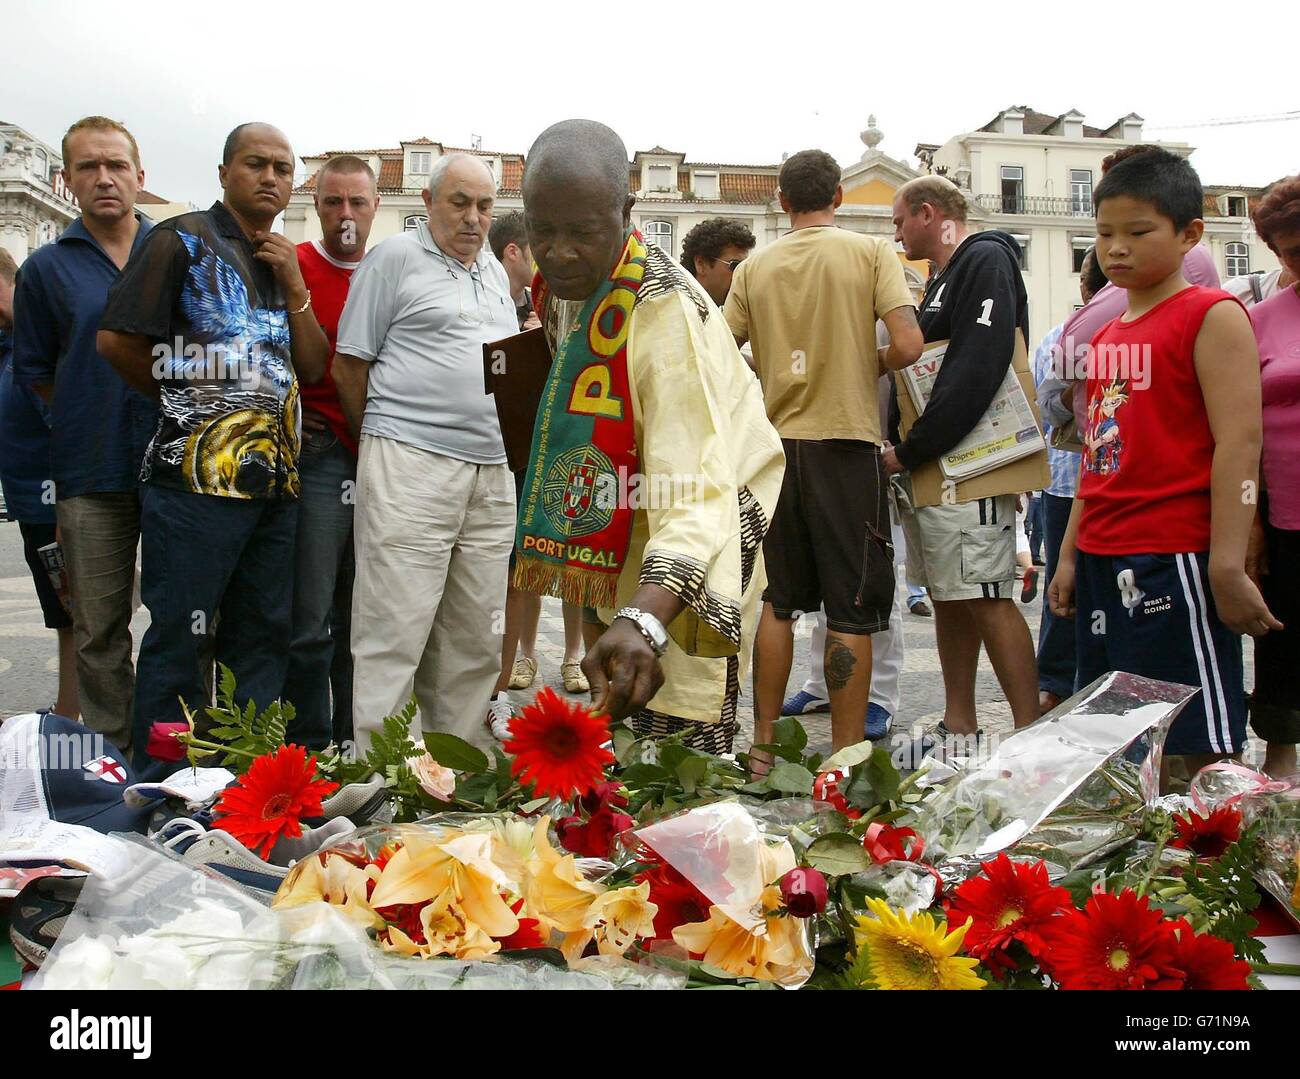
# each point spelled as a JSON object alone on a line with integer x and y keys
{"x": 726, "y": 82}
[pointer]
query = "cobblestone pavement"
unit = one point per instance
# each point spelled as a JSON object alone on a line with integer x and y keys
{"x": 28, "y": 665}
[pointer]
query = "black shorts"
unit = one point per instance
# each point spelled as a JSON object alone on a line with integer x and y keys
{"x": 1154, "y": 615}
{"x": 36, "y": 536}
{"x": 1275, "y": 704}
{"x": 829, "y": 544}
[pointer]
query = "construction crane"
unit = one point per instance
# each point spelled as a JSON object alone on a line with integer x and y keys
{"x": 1232, "y": 121}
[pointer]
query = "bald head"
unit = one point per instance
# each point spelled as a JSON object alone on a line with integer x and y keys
{"x": 577, "y": 207}
{"x": 254, "y": 130}
{"x": 582, "y": 150}
{"x": 256, "y": 173}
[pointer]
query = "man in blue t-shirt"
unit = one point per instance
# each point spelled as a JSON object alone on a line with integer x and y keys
{"x": 98, "y": 427}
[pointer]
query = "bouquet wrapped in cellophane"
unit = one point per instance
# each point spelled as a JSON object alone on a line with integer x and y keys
{"x": 1064, "y": 789}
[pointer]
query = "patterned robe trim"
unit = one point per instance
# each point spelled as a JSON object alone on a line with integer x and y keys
{"x": 662, "y": 276}
{"x": 753, "y": 527}
{"x": 684, "y": 577}
{"x": 707, "y": 737}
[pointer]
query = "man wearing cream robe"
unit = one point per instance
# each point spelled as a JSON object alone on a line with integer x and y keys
{"x": 712, "y": 460}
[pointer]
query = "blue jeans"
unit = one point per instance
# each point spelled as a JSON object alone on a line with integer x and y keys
{"x": 320, "y": 650}
{"x": 1034, "y": 526}
{"x": 1056, "y": 657}
{"x": 212, "y": 567}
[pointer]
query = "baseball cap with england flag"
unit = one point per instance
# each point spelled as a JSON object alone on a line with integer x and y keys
{"x": 56, "y": 769}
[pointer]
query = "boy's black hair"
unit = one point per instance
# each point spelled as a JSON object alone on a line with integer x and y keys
{"x": 708, "y": 239}
{"x": 1159, "y": 177}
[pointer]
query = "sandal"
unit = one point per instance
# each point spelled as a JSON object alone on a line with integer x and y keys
{"x": 523, "y": 673}
{"x": 574, "y": 680}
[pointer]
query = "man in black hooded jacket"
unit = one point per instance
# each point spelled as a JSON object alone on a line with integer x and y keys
{"x": 964, "y": 552}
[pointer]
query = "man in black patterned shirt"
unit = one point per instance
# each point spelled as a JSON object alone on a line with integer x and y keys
{"x": 211, "y": 316}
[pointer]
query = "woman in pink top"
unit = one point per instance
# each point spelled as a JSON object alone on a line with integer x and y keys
{"x": 1275, "y": 540}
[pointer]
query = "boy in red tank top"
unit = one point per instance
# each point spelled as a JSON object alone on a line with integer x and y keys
{"x": 1153, "y": 562}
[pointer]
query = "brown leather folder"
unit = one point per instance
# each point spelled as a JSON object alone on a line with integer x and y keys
{"x": 515, "y": 370}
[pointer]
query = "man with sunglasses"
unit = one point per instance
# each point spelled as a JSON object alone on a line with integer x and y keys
{"x": 711, "y": 252}
{"x": 435, "y": 509}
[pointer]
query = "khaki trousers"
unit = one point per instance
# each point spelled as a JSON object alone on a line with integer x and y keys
{"x": 433, "y": 536}
{"x": 99, "y": 534}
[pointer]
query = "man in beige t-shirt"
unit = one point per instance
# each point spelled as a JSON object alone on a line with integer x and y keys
{"x": 808, "y": 306}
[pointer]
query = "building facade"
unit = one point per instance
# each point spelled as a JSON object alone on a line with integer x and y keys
{"x": 1028, "y": 173}
{"x": 673, "y": 194}
{"x": 1032, "y": 175}
{"x": 35, "y": 205}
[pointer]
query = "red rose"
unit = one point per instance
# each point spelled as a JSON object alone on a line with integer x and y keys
{"x": 604, "y": 796}
{"x": 572, "y": 832}
{"x": 804, "y": 892}
{"x": 593, "y": 837}
{"x": 163, "y": 743}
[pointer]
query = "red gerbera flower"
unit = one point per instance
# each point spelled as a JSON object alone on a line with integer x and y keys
{"x": 272, "y": 797}
{"x": 678, "y": 900}
{"x": 1208, "y": 837}
{"x": 1011, "y": 901}
{"x": 1208, "y": 962}
{"x": 558, "y": 746}
{"x": 1115, "y": 942}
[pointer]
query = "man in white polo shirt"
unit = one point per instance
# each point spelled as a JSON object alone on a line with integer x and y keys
{"x": 435, "y": 509}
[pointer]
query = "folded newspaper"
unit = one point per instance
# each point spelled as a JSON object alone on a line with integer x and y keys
{"x": 1005, "y": 433}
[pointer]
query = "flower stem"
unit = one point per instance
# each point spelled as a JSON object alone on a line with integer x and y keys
{"x": 1162, "y": 837}
{"x": 1291, "y": 970}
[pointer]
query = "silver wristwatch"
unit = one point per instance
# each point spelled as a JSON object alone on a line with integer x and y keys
{"x": 651, "y": 628}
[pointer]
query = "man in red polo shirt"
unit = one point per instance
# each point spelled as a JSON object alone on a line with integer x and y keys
{"x": 319, "y": 682}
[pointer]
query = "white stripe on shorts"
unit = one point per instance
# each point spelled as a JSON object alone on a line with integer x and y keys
{"x": 1195, "y": 621}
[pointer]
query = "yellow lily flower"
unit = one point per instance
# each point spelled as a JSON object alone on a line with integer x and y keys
{"x": 427, "y": 867}
{"x": 555, "y": 892}
{"x": 449, "y": 931}
{"x": 339, "y": 882}
{"x": 621, "y": 915}
{"x": 775, "y": 951}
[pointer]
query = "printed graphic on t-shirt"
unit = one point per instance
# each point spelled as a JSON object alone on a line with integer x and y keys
{"x": 234, "y": 432}
{"x": 1103, "y": 439}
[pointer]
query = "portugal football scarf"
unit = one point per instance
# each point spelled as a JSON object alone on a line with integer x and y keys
{"x": 574, "y": 529}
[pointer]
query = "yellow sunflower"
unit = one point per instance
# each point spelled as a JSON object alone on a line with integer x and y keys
{"x": 914, "y": 951}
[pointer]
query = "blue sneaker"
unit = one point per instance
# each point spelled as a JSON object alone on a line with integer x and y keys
{"x": 878, "y": 722}
{"x": 804, "y": 702}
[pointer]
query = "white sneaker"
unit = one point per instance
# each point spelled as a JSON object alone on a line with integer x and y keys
{"x": 500, "y": 713}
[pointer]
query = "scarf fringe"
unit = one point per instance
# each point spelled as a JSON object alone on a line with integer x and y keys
{"x": 572, "y": 584}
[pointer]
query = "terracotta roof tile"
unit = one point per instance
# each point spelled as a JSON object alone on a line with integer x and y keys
{"x": 390, "y": 174}
{"x": 742, "y": 187}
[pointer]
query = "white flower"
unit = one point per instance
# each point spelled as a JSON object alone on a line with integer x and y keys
{"x": 86, "y": 963}
{"x": 147, "y": 963}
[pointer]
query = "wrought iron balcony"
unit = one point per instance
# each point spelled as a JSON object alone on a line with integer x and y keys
{"x": 1034, "y": 205}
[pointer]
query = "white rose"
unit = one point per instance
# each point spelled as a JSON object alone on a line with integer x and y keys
{"x": 86, "y": 963}
{"x": 435, "y": 780}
